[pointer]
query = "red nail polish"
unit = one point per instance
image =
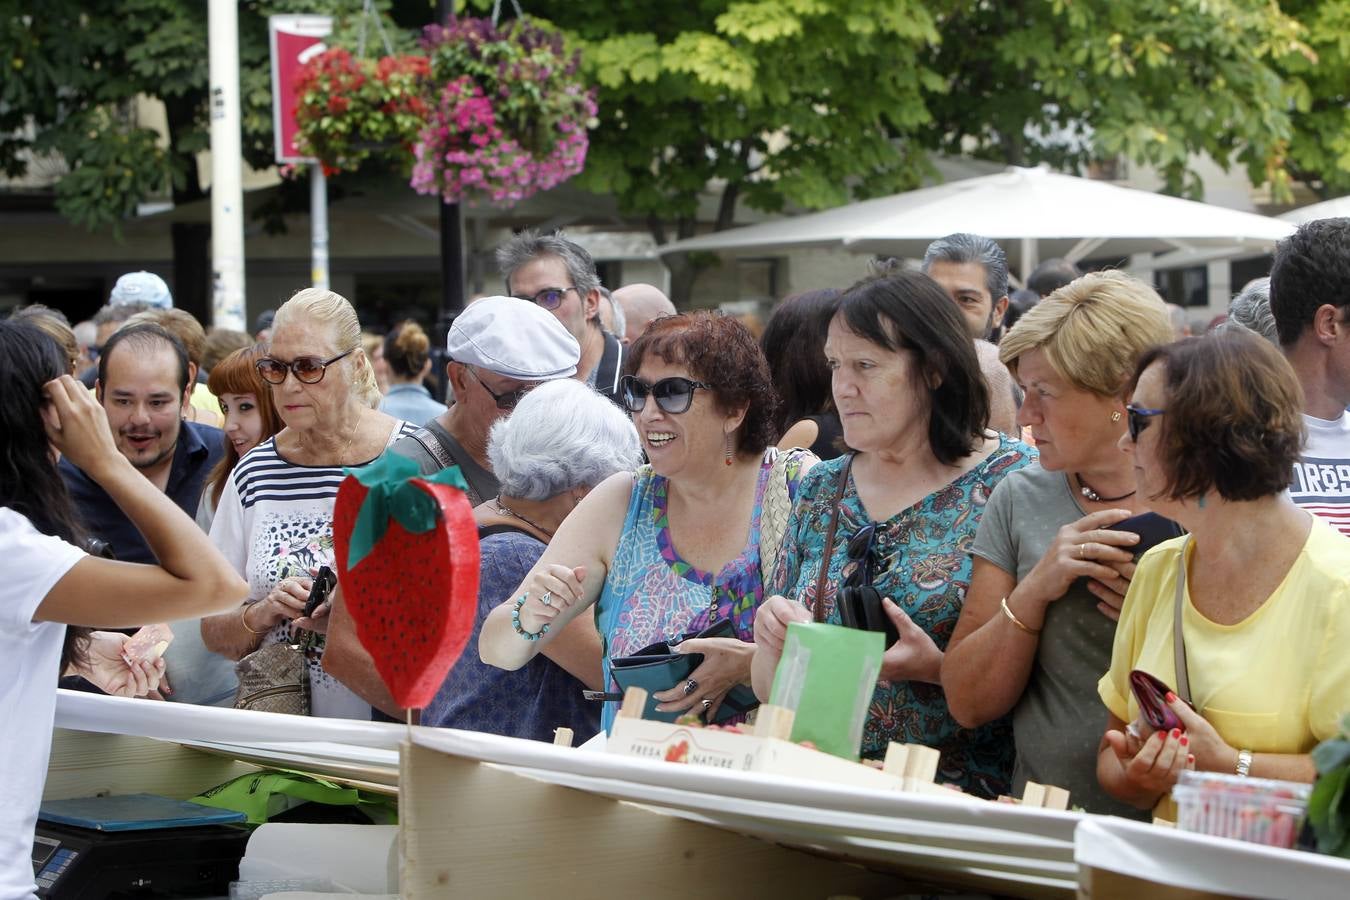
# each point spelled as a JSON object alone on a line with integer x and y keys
{"x": 1185, "y": 740}
{"x": 1190, "y": 758}
{"x": 1171, "y": 697}
{"x": 1176, "y": 732}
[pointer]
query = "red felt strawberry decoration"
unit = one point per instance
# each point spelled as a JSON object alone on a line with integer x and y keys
{"x": 407, "y": 557}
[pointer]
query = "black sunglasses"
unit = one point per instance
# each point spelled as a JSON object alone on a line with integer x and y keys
{"x": 506, "y": 400}
{"x": 307, "y": 369}
{"x": 857, "y": 570}
{"x": 549, "y": 298}
{"x": 674, "y": 395}
{"x": 1138, "y": 418}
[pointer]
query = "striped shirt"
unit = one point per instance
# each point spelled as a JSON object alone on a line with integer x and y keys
{"x": 1321, "y": 482}
{"x": 275, "y": 521}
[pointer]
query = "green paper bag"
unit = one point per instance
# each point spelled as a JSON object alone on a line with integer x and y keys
{"x": 827, "y": 676}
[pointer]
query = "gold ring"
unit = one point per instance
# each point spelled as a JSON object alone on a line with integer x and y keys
{"x": 1080, "y": 550}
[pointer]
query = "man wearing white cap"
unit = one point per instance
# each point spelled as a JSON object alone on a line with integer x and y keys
{"x": 141, "y": 287}
{"x": 499, "y": 348}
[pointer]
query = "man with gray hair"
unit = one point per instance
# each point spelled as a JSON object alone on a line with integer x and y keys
{"x": 642, "y": 304}
{"x": 973, "y": 270}
{"x": 559, "y": 275}
{"x": 1250, "y": 309}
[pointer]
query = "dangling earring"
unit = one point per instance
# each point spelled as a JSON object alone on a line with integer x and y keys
{"x": 727, "y": 435}
{"x": 1115, "y": 415}
{"x": 1200, "y": 501}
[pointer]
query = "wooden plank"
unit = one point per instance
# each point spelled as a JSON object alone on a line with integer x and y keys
{"x": 88, "y": 764}
{"x": 1101, "y": 884}
{"x": 476, "y": 830}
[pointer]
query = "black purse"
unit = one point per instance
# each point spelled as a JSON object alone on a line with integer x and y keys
{"x": 657, "y": 667}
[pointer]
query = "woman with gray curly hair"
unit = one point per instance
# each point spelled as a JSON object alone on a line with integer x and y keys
{"x": 561, "y": 441}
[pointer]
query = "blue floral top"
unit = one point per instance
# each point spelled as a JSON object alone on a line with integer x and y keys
{"x": 923, "y": 563}
{"x": 651, "y": 594}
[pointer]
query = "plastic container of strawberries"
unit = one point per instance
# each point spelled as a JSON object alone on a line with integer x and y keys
{"x": 1256, "y": 810}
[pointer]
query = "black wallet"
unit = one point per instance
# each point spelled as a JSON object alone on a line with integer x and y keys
{"x": 658, "y": 667}
{"x": 860, "y": 607}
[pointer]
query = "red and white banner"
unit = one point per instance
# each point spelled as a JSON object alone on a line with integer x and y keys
{"x": 294, "y": 41}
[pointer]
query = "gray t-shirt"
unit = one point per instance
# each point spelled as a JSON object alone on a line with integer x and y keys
{"x": 1058, "y": 722}
{"x": 482, "y": 483}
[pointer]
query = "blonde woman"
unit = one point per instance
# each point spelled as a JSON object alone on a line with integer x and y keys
{"x": 1049, "y": 574}
{"x": 274, "y": 521}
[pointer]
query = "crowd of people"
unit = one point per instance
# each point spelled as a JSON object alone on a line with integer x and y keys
{"x": 1046, "y": 493}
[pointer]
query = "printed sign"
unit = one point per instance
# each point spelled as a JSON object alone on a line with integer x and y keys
{"x": 294, "y": 41}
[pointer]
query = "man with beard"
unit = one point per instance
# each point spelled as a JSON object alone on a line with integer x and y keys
{"x": 973, "y": 270}
{"x": 143, "y": 386}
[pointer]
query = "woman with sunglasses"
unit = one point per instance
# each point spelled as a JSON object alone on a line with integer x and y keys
{"x": 677, "y": 547}
{"x": 274, "y": 520}
{"x": 1262, "y": 586}
{"x": 1049, "y": 574}
{"x": 898, "y": 513}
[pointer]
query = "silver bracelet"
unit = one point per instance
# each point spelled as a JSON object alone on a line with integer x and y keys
{"x": 1244, "y": 762}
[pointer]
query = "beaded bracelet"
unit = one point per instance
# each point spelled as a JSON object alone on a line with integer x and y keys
{"x": 515, "y": 621}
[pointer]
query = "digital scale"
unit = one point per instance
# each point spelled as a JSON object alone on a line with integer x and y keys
{"x": 136, "y": 846}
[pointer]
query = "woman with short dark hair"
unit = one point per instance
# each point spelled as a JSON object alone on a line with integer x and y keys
{"x": 677, "y": 547}
{"x": 1262, "y": 587}
{"x": 904, "y": 506}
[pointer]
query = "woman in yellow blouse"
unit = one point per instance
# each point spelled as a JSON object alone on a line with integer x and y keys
{"x": 1214, "y": 429}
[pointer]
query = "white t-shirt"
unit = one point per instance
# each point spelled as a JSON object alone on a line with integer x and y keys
{"x": 30, "y": 663}
{"x": 275, "y": 521}
{"x": 1321, "y": 482}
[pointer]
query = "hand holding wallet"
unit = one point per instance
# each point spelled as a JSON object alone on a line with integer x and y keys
{"x": 659, "y": 667}
{"x": 1151, "y": 694}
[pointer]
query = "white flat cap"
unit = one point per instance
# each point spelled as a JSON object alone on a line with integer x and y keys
{"x": 513, "y": 338}
{"x": 141, "y": 287}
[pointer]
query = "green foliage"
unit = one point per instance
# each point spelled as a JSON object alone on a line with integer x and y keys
{"x": 1153, "y": 81}
{"x": 1319, "y": 153}
{"x": 783, "y": 101}
{"x": 1329, "y": 804}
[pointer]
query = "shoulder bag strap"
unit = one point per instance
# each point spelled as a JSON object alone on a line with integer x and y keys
{"x": 1178, "y": 637}
{"x": 431, "y": 443}
{"x": 819, "y": 612}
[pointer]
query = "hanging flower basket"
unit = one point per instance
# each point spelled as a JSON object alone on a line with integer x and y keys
{"x": 350, "y": 108}
{"x": 485, "y": 114}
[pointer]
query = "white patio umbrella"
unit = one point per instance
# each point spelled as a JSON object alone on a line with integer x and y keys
{"x": 1328, "y": 209}
{"x": 1033, "y": 213}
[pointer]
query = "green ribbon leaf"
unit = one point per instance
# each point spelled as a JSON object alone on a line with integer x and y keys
{"x": 391, "y": 494}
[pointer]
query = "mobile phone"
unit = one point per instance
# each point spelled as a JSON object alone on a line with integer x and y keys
{"x": 323, "y": 586}
{"x": 1152, "y": 529}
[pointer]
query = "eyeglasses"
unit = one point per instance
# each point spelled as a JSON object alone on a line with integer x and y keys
{"x": 307, "y": 369}
{"x": 506, "y": 400}
{"x": 1138, "y": 418}
{"x": 549, "y": 298}
{"x": 674, "y": 395}
{"x": 857, "y": 568}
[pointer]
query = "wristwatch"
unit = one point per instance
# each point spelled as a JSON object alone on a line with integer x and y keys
{"x": 1244, "y": 762}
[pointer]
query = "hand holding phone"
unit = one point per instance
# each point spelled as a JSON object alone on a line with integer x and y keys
{"x": 1152, "y": 529}
{"x": 320, "y": 590}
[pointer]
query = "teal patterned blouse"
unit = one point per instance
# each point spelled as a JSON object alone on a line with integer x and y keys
{"x": 923, "y": 564}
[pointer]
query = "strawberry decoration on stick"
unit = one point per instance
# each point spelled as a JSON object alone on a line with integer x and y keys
{"x": 407, "y": 558}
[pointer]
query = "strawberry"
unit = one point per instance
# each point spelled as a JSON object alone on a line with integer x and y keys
{"x": 412, "y": 594}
